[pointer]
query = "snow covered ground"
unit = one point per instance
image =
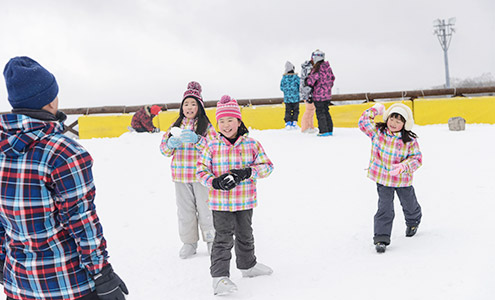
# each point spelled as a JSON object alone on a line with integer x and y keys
{"x": 314, "y": 221}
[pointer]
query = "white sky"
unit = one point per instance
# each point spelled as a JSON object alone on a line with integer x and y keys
{"x": 133, "y": 52}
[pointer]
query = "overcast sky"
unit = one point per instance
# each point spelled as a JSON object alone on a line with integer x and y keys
{"x": 133, "y": 52}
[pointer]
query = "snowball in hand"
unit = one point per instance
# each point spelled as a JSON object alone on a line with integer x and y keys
{"x": 175, "y": 131}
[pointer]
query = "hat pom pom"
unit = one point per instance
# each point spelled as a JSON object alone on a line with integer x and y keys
{"x": 225, "y": 99}
{"x": 193, "y": 85}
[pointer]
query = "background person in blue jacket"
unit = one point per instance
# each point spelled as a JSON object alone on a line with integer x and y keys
{"x": 51, "y": 240}
{"x": 290, "y": 86}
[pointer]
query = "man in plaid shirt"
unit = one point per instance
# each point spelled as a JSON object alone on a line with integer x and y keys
{"x": 52, "y": 244}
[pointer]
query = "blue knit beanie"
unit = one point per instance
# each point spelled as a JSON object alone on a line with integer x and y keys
{"x": 29, "y": 85}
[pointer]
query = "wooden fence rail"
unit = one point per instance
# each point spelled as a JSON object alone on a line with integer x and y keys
{"x": 413, "y": 94}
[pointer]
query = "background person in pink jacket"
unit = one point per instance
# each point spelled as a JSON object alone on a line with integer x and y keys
{"x": 183, "y": 141}
{"x": 321, "y": 81}
{"x": 395, "y": 156}
{"x": 230, "y": 165}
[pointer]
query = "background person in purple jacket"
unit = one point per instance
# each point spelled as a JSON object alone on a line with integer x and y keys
{"x": 51, "y": 240}
{"x": 321, "y": 80}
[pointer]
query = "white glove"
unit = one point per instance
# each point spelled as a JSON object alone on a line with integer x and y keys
{"x": 380, "y": 108}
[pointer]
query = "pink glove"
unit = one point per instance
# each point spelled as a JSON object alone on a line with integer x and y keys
{"x": 397, "y": 169}
{"x": 380, "y": 108}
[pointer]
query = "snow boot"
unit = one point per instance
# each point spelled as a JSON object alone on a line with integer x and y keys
{"x": 188, "y": 250}
{"x": 325, "y": 134}
{"x": 411, "y": 230}
{"x": 257, "y": 270}
{"x": 380, "y": 247}
{"x": 223, "y": 286}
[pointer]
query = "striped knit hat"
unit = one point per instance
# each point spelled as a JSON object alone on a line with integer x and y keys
{"x": 228, "y": 107}
{"x": 194, "y": 91}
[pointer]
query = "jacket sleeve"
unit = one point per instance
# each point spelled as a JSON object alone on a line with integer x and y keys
{"x": 2, "y": 243}
{"x": 262, "y": 165}
{"x": 203, "y": 140}
{"x": 164, "y": 149}
{"x": 312, "y": 78}
{"x": 74, "y": 198}
{"x": 204, "y": 168}
{"x": 367, "y": 122}
{"x": 147, "y": 122}
{"x": 414, "y": 159}
{"x": 283, "y": 84}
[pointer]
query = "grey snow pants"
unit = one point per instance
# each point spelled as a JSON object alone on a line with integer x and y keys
{"x": 227, "y": 224}
{"x": 384, "y": 217}
{"x": 192, "y": 209}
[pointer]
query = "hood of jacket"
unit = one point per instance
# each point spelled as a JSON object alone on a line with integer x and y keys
{"x": 324, "y": 66}
{"x": 19, "y": 133}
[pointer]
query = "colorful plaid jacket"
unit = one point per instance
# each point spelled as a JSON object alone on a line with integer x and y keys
{"x": 388, "y": 149}
{"x": 290, "y": 86}
{"x": 220, "y": 156}
{"x": 185, "y": 157}
{"x": 51, "y": 237}
{"x": 322, "y": 82}
{"x": 143, "y": 119}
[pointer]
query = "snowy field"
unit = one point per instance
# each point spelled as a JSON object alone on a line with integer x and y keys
{"x": 314, "y": 221}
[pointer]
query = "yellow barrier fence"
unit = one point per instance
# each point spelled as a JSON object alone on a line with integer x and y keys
{"x": 426, "y": 112}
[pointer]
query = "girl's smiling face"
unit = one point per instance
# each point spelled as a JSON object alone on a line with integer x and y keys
{"x": 395, "y": 124}
{"x": 229, "y": 126}
{"x": 190, "y": 108}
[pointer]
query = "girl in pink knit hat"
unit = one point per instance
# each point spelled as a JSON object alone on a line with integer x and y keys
{"x": 183, "y": 141}
{"x": 229, "y": 166}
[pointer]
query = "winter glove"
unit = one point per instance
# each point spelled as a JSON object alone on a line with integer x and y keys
{"x": 380, "y": 108}
{"x": 242, "y": 174}
{"x": 155, "y": 130}
{"x": 225, "y": 182}
{"x": 109, "y": 286}
{"x": 397, "y": 169}
{"x": 174, "y": 142}
{"x": 188, "y": 136}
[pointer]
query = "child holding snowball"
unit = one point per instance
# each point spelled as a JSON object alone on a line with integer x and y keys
{"x": 184, "y": 141}
{"x": 230, "y": 165}
{"x": 395, "y": 156}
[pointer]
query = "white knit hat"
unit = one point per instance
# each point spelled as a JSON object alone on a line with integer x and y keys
{"x": 289, "y": 67}
{"x": 402, "y": 110}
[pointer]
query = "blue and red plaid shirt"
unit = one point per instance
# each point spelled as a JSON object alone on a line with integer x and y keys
{"x": 50, "y": 235}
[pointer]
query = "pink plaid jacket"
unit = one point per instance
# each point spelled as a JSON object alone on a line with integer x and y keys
{"x": 185, "y": 157}
{"x": 388, "y": 149}
{"x": 220, "y": 156}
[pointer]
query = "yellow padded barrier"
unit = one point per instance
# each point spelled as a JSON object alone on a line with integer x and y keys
{"x": 348, "y": 115}
{"x": 103, "y": 126}
{"x": 439, "y": 111}
{"x": 426, "y": 112}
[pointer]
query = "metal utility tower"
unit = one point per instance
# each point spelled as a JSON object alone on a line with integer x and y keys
{"x": 444, "y": 33}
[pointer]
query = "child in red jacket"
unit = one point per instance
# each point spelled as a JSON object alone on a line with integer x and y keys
{"x": 142, "y": 121}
